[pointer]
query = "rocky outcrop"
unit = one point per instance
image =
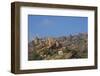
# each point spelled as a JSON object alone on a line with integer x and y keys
{"x": 65, "y": 47}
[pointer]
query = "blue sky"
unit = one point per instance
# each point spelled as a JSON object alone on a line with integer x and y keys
{"x": 55, "y": 26}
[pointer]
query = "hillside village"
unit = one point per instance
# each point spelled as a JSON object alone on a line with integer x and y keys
{"x": 64, "y": 47}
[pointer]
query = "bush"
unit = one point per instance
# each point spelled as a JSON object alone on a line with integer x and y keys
{"x": 36, "y": 56}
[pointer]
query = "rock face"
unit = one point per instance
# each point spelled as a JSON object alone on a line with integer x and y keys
{"x": 65, "y": 47}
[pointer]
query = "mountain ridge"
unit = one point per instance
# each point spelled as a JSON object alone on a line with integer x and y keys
{"x": 63, "y": 47}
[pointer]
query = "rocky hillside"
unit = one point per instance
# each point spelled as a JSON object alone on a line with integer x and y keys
{"x": 64, "y": 47}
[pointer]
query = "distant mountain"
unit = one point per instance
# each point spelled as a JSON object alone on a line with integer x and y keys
{"x": 64, "y": 47}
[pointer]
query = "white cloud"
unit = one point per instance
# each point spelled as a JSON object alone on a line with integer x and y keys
{"x": 47, "y": 22}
